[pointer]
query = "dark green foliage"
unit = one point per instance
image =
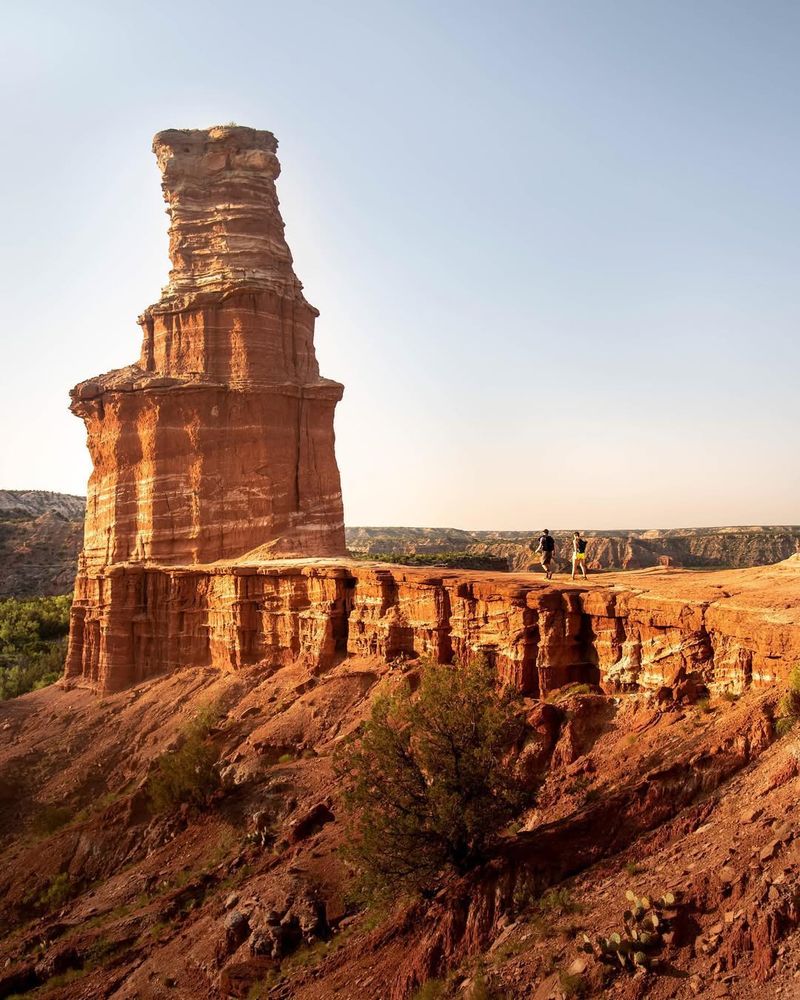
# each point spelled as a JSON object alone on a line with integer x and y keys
{"x": 32, "y": 642}
{"x": 426, "y": 783}
{"x": 187, "y": 775}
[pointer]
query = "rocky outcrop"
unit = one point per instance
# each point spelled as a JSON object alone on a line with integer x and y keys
{"x": 653, "y": 631}
{"x": 220, "y": 439}
{"x": 40, "y": 536}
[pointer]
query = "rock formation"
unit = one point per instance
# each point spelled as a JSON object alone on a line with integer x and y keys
{"x": 40, "y": 536}
{"x": 635, "y": 632}
{"x": 220, "y": 439}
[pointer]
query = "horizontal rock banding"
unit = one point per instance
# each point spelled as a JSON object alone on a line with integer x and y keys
{"x": 133, "y": 623}
{"x": 219, "y": 441}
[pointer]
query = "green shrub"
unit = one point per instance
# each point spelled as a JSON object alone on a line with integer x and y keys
{"x": 51, "y": 818}
{"x": 426, "y": 784}
{"x": 789, "y": 708}
{"x": 187, "y": 775}
{"x": 434, "y": 989}
{"x": 571, "y": 986}
{"x": 32, "y": 642}
{"x": 558, "y": 901}
{"x": 59, "y": 890}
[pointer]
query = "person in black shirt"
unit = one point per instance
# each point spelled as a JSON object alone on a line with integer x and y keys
{"x": 578, "y": 554}
{"x": 547, "y": 546}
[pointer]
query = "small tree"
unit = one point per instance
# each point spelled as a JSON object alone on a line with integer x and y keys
{"x": 426, "y": 782}
{"x": 187, "y": 775}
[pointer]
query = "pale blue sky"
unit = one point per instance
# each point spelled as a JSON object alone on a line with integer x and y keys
{"x": 554, "y": 245}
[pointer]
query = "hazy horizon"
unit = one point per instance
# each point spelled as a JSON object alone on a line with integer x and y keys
{"x": 554, "y": 247}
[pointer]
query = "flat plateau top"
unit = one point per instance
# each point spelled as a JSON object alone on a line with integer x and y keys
{"x": 772, "y": 590}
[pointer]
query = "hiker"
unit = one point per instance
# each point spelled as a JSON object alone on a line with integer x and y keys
{"x": 547, "y": 546}
{"x": 578, "y": 553}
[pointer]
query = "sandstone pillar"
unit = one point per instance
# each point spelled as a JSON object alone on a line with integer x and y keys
{"x": 220, "y": 440}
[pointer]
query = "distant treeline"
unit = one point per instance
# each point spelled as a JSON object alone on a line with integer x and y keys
{"x": 447, "y": 560}
{"x": 33, "y": 642}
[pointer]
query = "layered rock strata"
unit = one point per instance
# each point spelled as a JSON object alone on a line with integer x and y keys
{"x": 648, "y": 631}
{"x": 220, "y": 439}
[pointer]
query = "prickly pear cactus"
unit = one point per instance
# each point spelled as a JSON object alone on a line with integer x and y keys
{"x": 632, "y": 948}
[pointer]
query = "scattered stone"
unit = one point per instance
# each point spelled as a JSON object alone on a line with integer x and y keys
{"x": 770, "y": 850}
{"x": 237, "y": 928}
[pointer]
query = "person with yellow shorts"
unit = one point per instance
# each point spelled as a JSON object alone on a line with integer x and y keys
{"x": 578, "y": 554}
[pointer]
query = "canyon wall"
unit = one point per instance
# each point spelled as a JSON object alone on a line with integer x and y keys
{"x": 220, "y": 439}
{"x": 726, "y": 631}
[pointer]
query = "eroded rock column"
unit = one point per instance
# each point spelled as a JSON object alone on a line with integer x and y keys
{"x": 219, "y": 441}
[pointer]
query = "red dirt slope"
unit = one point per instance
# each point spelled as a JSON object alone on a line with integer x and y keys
{"x": 103, "y": 897}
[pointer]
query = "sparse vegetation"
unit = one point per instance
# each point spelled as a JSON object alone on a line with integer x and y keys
{"x": 633, "y": 869}
{"x": 579, "y": 785}
{"x": 187, "y": 775}
{"x": 568, "y": 690}
{"x": 434, "y": 989}
{"x": 32, "y": 642}
{"x": 481, "y": 989}
{"x": 789, "y": 708}
{"x": 426, "y": 784}
{"x": 571, "y": 985}
{"x": 51, "y": 818}
{"x": 60, "y": 889}
{"x": 542, "y": 913}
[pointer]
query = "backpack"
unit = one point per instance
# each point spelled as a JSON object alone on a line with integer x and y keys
{"x": 548, "y": 543}
{"x": 581, "y": 545}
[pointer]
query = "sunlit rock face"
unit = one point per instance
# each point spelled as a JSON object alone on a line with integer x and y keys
{"x": 219, "y": 442}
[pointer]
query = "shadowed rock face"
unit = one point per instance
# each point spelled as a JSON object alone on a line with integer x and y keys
{"x": 220, "y": 440}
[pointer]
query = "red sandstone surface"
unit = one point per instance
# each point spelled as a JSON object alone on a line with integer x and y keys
{"x": 644, "y": 787}
{"x": 220, "y": 439}
{"x": 729, "y": 629}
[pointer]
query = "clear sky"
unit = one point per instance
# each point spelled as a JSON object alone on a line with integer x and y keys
{"x": 555, "y": 245}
